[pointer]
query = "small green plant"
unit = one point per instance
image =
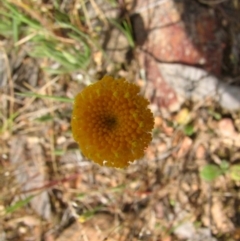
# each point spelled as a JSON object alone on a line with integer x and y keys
{"x": 189, "y": 130}
{"x": 211, "y": 172}
{"x": 234, "y": 172}
{"x": 214, "y": 114}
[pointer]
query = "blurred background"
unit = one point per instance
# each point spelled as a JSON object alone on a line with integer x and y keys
{"x": 185, "y": 56}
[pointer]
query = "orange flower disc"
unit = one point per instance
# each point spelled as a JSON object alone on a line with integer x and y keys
{"x": 111, "y": 122}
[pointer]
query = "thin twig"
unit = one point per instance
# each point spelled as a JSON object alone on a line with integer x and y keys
{"x": 211, "y": 2}
{"x": 10, "y": 82}
{"x": 99, "y": 12}
{"x": 40, "y": 91}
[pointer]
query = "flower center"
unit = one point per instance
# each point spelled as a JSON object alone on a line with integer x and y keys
{"x": 108, "y": 122}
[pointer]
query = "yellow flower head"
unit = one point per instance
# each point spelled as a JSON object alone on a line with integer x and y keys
{"x": 111, "y": 122}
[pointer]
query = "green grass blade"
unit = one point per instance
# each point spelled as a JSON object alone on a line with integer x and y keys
{"x": 15, "y": 29}
{"x": 19, "y": 204}
{"x": 126, "y": 29}
{"x": 54, "y": 98}
{"x": 15, "y": 13}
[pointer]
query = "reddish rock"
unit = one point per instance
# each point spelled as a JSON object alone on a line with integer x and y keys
{"x": 157, "y": 90}
{"x": 175, "y": 32}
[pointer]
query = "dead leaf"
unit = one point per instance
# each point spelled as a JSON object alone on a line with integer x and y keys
{"x": 226, "y": 128}
{"x": 158, "y": 121}
{"x": 27, "y": 157}
{"x": 200, "y": 152}
{"x": 222, "y": 222}
{"x": 185, "y": 147}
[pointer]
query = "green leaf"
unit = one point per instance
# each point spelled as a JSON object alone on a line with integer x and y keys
{"x": 19, "y": 204}
{"x": 189, "y": 130}
{"x": 235, "y": 172}
{"x": 210, "y": 172}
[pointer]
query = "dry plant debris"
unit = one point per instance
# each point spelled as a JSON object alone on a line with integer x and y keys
{"x": 187, "y": 185}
